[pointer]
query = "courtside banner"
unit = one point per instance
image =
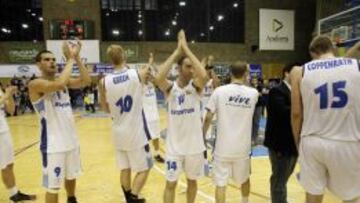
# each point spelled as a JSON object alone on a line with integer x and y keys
{"x": 90, "y": 51}
{"x": 255, "y": 71}
{"x": 276, "y": 29}
{"x": 9, "y": 70}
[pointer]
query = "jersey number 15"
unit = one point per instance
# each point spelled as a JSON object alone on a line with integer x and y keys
{"x": 339, "y": 92}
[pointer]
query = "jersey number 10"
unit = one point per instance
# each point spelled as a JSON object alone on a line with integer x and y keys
{"x": 125, "y": 104}
{"x": 338, "y": 89}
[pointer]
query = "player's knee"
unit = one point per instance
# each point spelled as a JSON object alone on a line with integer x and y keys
{"x": 53, "y": 191}
{"x": 192, "y": 183}
{"x": 144, "y": 172}
{"x": 171, "y": 185}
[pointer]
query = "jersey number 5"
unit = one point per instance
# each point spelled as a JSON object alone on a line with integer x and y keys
{"x": 338, "y": 89}
{"x": 125, "y": 104}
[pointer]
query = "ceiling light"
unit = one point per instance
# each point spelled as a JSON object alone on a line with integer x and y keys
{"x": 211, "y": 28}
{"x": 235, "y": 5}
{"x": 41, "y": 19}
{"x": 140, "y": 32}
{"x": 174, "y": 23}
{"x": 116, "y": 32}
{"x": 182, "y": 3}
{"x": 167, "y": 33}
{"x": 25, "y": 26}
{"x": 220, "y": 17}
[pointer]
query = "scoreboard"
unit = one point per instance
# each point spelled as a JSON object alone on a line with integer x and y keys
{"x": 71, "y": 29}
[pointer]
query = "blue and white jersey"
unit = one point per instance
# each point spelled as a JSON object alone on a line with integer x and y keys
{"x": 150, "y": 103}
{"x": 124, "y": 94}
{"x": 57, "y": 125}
{"x": 4, "y": 127}
{"x": 206, "y": 93}
{"x": 331, "y": 99}
{"x": 184, "y": 134}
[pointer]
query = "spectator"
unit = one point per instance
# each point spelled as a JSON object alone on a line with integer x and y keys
{"x": 279, "y": 138}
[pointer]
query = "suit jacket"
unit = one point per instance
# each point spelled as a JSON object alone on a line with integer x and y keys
{"x": 278, "y": 134}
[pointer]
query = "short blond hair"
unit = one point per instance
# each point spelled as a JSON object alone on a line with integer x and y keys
{"x": 116, "y": 54}
{"x": 321, "y": 45}
{"x": 239, "y": 68}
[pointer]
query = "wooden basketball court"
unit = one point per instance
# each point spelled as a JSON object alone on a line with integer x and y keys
{"x": 100, "y": 180}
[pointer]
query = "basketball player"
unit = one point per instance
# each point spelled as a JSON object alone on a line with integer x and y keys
{"x": 122, "y": 96}
{"x": 184, "y": 142}
{"x": 211, "y": 84}
{"x": 234, "y": 105}
{"x": 209, "y": 88}
{"x": 325, "y": 120}
{"x": 59, "y": 143}
{"x": 152, "y": 113}
{"x": 6, "y": 147}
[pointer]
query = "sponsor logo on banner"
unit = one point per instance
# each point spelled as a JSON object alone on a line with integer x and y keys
{"x": 25, "y": 55}
{"x": 276, "y": 29}
{"x": 9, "y": 70}
{"x": 23, "y": 69}
{"x": 255, "y": 71}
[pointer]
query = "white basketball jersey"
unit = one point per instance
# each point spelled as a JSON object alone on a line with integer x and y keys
{"x": 184, "y": 134}
{"x": 331, "y": 99}
{"x": 234, "y": 106}
{"x": 124, "y": 94}
{"x": 4, "y": 127}
{"x": 150, "y": 103}
{"x": 206, "y": 93}
{"x": 57, "y": 125}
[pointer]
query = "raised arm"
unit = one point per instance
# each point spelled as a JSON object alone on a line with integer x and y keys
{"x": 41, "y": 86}
{"x": 353, "y": 51}
{"x": 161, "y": 78}
{"x": 296, "y": 103}
{"x": 84, "y": 79}
{"x": 200, "y": 72}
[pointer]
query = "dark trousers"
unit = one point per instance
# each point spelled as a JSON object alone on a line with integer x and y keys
{"x": 256, "y": 123}
{"x": 282, "y": 167}
{"x": 90, "y": 106}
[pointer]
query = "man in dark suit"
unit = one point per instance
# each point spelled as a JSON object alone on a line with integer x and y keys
{"x": 279, "y": 139}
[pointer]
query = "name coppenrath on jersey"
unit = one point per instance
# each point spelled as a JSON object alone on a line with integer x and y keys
{"x": 330, "y": 94}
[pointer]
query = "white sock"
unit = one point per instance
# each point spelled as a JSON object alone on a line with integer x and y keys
{"x": 245, "y": 200}
{"x": 13, "y": 191}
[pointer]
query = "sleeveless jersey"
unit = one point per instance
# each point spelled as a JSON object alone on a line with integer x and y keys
{"x": 331, "y": 99}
